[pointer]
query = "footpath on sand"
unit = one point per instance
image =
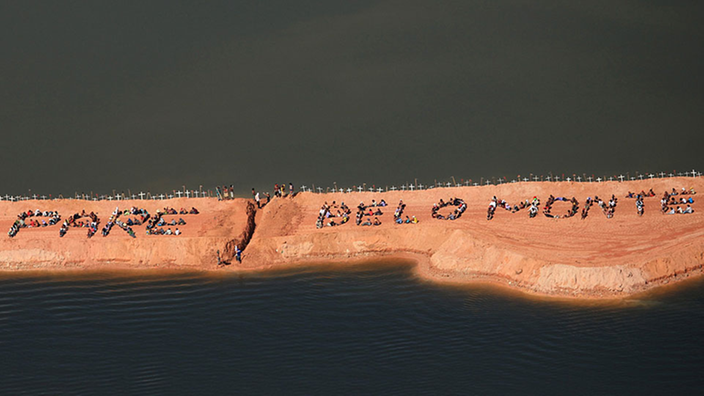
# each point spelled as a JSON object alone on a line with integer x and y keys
{"x": 594, "y": 257}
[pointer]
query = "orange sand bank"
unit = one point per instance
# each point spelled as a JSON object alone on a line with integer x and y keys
{"x": 42, "y": 248}
{"x": 592, "y": 258}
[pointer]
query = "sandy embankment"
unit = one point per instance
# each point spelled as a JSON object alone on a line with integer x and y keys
{"x": 42, "y": 249}
{"x": 592, "y": 258}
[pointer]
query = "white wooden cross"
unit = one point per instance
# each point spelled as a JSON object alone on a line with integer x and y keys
{"x": 651, "y": 176}
{"x": 448, "y": 184}
{"x": 640, "y": 177}
{"x": 179, "y": 193}
{"x": 161, "y": 196}
{"x": 662, "y": 174}
{"x": 598, "y": 179}
{"x": 320, "y": 190}
{"x": 568, "y": 179}
{"x": 525, "y": 179}
{"x": 535, "y": 178}
{"x": 611, "y": 178}
{"x": 579, "y": 179}
{"x": 671, "y": 175}
{"x": 488, "y": 182}
{"x": 110, "y": 198}
{"x": 621, "y": 177}
{"x": 43, "y": 197}
{"x": 34, "y": 196}
{"x": 693, "y": 173}
{"x": 359, "y": 189}
{"x": 411, "y": 187}
{"x": 590, "y": 179}
{"x": 379, "y": 190}
{"x": 141, "y": 195}
{"x": 349, "y": 190}
{"x": 393, "y": 188}
{"x": 133, "y": 196}
{"x": 547, "y": 178}
{"x": 420, "y": 186}
{"x": 403, "y": 187}
{"x": 170, "y": 196}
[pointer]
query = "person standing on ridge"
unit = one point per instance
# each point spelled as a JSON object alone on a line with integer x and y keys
{"x": 290, "y": 189}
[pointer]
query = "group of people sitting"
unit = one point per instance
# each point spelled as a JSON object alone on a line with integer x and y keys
{"x": 182, "y": 211}
{"x": 551, "y": 200}
{"x": 684, "y": 191}
{"x": 156, "y": 223}
{"x": 369, "y": 222}
{"x": 493, "y": 204}
{"x": 161, "y": 231}
{"x": 532, "y": 204}
{"x": 366, "y": 215}
{"x": 399, "y": 212}
{"x": 126, "y": 227}
{"x": 460, "y": 205}
{"x": 23, "y": 222}
{"x": 111, "y": 222}
{"x": 642, "y": 194}
{"x": 27, "y": 219}
{"x": 680, "y": 210}
{"x": 73, "y": 221}
{"x": 368, "y": 210}
{"x": 670, "y": 204}
{"x": 607, "y": 209}
{"x": 408, "y": 220}
{"x": 326, "y": 217}
{"x": 640, "y": 205}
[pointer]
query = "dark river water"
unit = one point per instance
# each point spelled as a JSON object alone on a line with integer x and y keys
{"x": 372, "y": 329}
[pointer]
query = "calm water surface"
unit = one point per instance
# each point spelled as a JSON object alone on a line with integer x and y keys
{"x": 373, "y": 329}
